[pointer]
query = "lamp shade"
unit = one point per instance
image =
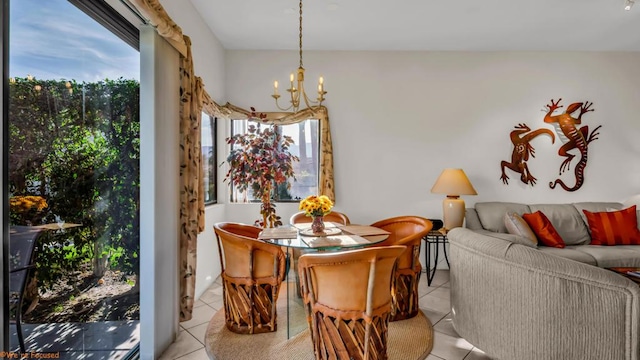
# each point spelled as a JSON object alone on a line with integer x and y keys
{"x": 453, "y": 182}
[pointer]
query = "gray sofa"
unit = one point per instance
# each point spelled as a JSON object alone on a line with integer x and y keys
{"x": 515, "y": 301}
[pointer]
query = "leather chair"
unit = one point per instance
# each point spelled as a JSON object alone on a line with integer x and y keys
{"x": 408, "y": 231}
{"x": 334, "y": 216}
{"x": 301, "y": 218}
{"x": 348, "y": 316}
{"x": 252, "y": 272}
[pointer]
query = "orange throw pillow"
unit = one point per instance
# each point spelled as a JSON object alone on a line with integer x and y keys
{"x": 544, "y": 230}
{"x": 614, "y": 227}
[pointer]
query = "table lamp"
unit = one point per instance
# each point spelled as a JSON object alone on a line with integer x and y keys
{"x": 453, "y": 183}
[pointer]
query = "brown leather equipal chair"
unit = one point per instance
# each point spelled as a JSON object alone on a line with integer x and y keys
{"x": 334, "y": 216}
{"x": 348, "y": 301}
{"x": 252, "y": 272}
{"x": 408, "y": 231}
{"x": 300, "y": 217}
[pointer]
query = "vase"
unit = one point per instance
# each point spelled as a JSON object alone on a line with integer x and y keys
{"x": 317, "y": 225}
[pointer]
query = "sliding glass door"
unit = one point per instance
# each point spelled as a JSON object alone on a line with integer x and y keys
{"x": 73, "y": 180}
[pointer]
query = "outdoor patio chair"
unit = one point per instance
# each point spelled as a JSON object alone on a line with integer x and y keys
{"x": 22, "y": 244}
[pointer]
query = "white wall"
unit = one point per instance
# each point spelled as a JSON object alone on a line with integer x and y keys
{"x": 399, "y": 118}
{"x": 209, "y": 64}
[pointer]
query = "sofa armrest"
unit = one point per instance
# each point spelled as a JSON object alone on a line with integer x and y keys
{"x": 515, "y": 302}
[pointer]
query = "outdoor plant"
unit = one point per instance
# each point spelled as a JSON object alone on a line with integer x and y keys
{"x": 26, "y": 209}
{"x": 260, "y": 160}
{"x": 77, "y": 146}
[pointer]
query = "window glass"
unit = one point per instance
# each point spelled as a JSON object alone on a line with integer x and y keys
{"x": 74, "y": 178}
{"x": 306, "y": 145}
{"x": 209, "y": 158}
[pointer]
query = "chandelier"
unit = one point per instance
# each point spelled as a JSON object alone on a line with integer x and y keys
{"x": 297, "y": 94}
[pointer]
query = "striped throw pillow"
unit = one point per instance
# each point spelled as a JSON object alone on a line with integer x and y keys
{"x": 614, "y": 227}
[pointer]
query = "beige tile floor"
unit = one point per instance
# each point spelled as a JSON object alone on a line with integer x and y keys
{"x": 434, "y": 302}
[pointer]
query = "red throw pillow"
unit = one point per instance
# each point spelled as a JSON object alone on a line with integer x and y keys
{"x": 544, "y": 230}
{"x": 614, "y": 227}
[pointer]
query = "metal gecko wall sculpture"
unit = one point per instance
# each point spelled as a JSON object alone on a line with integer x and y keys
{"x": 572, "y": 137}
{"x": 522, "y": 149}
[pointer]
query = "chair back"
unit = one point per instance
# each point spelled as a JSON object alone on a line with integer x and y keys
{"x": 347, "y": 298}
{"x": 408, "y": 231}
{"x": 365, "y": 291}
{"x": 243, "y": 256}
{"x": 334, "y": 216}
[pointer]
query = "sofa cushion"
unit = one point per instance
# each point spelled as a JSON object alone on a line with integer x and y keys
{"x": 613, "y": 256}
{"x": 614, "y": 227}
{"x": 471, "y": 220}
{"x": 516, "y": 225}
{"x": 570, "y": 252}
{"x": 567, "y": 222}
{"x": 491, "y": 214}
{"x": 544, "y": 230}
{"x": 516, "y": 239}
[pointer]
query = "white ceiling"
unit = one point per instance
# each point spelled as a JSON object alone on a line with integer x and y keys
{"x": 471, "y": 25}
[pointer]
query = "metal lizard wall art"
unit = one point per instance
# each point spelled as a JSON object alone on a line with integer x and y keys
{"x": 521, "y": 138}
{"x": 573, "y": 138}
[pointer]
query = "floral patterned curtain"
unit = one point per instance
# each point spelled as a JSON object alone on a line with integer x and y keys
{"x": 191, "y": 180}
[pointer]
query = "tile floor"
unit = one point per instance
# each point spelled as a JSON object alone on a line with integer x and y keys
{"x": 434, "y": 302}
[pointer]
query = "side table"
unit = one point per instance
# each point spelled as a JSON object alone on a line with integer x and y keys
{"x": 434, "y": 238}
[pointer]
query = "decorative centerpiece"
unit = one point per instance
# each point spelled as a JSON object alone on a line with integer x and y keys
{"x": 316, "y": 207}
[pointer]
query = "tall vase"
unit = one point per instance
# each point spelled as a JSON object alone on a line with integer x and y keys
{"x": 317, "y": 226}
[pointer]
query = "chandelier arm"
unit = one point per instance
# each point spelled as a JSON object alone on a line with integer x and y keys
{"x": 281, "y": 108}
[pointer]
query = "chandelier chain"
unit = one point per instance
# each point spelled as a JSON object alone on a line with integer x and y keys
{"x": 300, "y": 33}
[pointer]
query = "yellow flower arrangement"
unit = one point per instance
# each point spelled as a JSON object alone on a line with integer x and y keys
{"x": 22, "y": 204}
{"x": 26, "y": 209}
{"x": 316, "y": 205}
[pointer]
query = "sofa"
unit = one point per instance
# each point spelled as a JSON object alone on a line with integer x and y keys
{"x": 515, "y": 300}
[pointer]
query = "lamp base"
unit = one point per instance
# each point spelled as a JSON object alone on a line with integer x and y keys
{"x": 453, "y": 212}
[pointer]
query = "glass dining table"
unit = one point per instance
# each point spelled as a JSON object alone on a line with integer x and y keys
{"x": 297, "y": 240}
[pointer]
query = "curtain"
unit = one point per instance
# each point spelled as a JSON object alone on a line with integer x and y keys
{"x": 153, "y": 11}
{"x": 326, "y": 185}
{"x": 191, "y": 180}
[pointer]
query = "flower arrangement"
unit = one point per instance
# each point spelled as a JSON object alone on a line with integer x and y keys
{"x": 316, "y": 205}
{"x": 25, "y": 209}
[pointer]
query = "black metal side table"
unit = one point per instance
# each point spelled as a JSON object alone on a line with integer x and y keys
{"x": 434, "y": 239}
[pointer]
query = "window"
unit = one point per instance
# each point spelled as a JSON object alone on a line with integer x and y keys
{"x": 306, "y": 145}
{"x": 74, "y": 170}
{"x": 209, "y": 158}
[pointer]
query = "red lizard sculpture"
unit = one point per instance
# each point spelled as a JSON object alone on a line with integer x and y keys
{"x": 573, "y": 138}
{"x": 521, "y": 151}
